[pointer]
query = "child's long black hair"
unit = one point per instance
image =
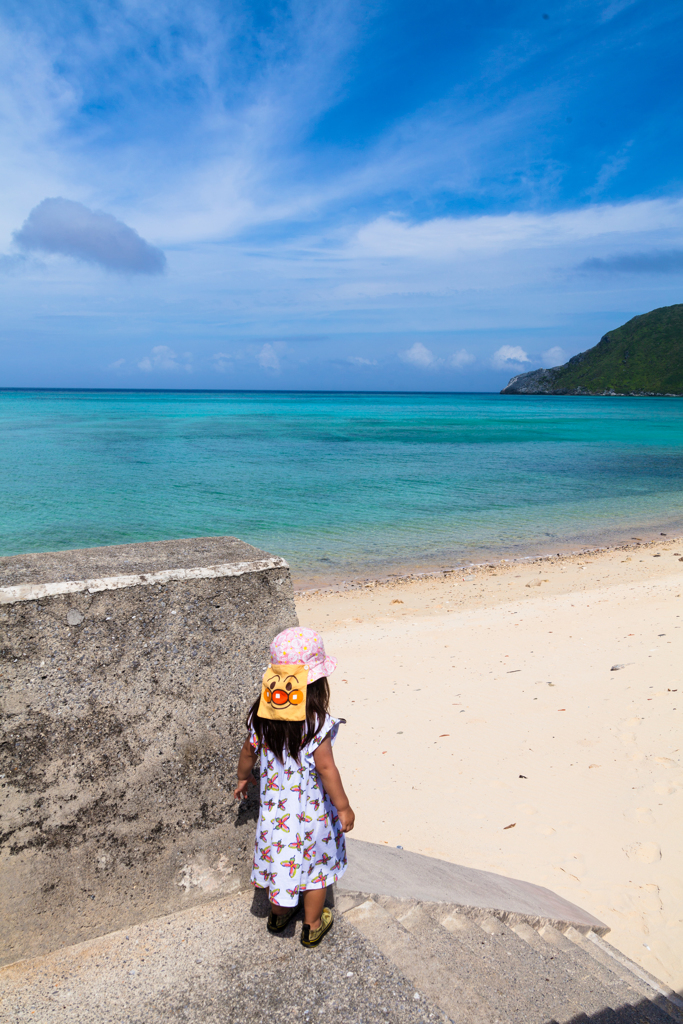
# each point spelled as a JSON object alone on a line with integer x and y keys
{"x": 290, "y": 737}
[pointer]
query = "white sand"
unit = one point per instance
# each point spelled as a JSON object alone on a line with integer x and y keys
{"x": 453, "y": 694}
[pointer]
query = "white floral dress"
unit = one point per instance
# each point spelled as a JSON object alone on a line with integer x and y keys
{"x": 299, "y": 839}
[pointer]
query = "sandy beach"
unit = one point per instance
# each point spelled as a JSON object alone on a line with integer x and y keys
{"x": 526, "y": 718}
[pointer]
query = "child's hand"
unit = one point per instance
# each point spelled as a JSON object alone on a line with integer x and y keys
{"x": 245, "y": 764}
{"x": 241, "y": 791}
{"x": 347, "y": 819}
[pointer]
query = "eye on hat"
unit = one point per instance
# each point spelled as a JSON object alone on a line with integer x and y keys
{"x": 300, "y": 646}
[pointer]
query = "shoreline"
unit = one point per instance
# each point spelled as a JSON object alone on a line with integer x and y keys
{"x": 304, "y": 584}
{"x": 524, "y": 716}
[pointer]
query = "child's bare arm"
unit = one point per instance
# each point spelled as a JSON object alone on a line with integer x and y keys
{"x": 331, "y": 780}
{"x": 244, "y": 771}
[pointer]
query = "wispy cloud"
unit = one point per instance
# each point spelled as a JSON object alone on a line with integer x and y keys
{"x": 199, "y": 113}
{"x": 611, "y": 10}
{"x": 164, "y": 358}
{"x": 608, "y": 171}
{"x": 445, "y": 237}
{"x": 210, "y": 116}
{"x": 71, "y": 229}
{"x": 361, "y": 361}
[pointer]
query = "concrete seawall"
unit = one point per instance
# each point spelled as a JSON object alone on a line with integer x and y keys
{"x": 127, "y": 672}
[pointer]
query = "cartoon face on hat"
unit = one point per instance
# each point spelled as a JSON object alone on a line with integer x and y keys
{"x": 283, "y": 696}
{"x": 297, "y": 659}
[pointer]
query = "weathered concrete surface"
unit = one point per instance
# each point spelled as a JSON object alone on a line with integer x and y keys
{"x": 385, "y": 960}
{"x": 214, "y": 964}
{"x": 123, "y": 712}
{"x": 389, "y": 871}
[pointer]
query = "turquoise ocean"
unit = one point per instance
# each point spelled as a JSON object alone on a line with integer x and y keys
{"x": 342, "y": 485}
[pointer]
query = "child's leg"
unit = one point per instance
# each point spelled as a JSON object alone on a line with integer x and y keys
{"x": 277, "y": 909}
{"x": 314, "y": 901}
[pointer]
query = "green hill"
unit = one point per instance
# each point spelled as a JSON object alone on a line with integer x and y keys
{"x": 643, "y": 357}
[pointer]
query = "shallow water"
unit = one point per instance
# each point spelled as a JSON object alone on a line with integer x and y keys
{"x": 338, "y": 484}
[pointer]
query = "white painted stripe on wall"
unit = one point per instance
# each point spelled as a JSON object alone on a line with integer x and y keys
{"x": 36, "y": 591}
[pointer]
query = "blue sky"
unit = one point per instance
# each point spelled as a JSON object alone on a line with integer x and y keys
{"x": 327, "y": 195}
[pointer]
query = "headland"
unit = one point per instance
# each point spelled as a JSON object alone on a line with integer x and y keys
{"x": 642, "y": 358}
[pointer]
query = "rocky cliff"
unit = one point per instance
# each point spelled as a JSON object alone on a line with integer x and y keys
{"x": 642, "y": 357}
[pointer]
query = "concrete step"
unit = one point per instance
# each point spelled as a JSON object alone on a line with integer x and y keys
{"x": 629, "y": 973}
{"x": 419, "y": 961}
{"x": 557, "y": 989}
{"x": 599, "y": 974}
{"x": 617, "y": 990}
{"x": 515, "y": 988}
{"x": 484, "y": 970}
{"x": 565, "y": 991}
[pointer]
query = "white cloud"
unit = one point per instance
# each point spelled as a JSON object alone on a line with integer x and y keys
{"x": 508, "y": 356}
{"x": 449, "y": 237}
{"x": 419, "y": 355}
{"x": 268, "y": 358}
{"x": 116, "y": 365}
{"x": 554, "y": 356}
{"x": 164, "y": 358}
{"x": 361, "y": 361}
{"x": 461, "y": 359}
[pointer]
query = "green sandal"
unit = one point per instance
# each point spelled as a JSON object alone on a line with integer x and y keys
{"x": 311, "y": 939}
{"x": 278, "y": 922}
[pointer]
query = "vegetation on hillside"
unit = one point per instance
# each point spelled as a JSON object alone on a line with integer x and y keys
{"x": 645, "y": 355}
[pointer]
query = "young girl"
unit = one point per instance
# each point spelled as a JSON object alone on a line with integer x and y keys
{"x": 300, "y": 847}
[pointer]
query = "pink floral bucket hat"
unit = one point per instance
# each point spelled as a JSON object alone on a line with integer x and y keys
{"x": 300, "y": 646}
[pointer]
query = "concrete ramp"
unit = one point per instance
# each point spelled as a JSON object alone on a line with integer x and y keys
{"x": 388, "y": 871}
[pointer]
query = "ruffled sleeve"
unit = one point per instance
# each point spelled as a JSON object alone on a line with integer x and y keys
{"x": 330, "y": 727}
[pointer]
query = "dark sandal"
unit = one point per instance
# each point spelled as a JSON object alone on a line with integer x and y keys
{"x": 278, "y": 922}
{"x": 311, "y": 939}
